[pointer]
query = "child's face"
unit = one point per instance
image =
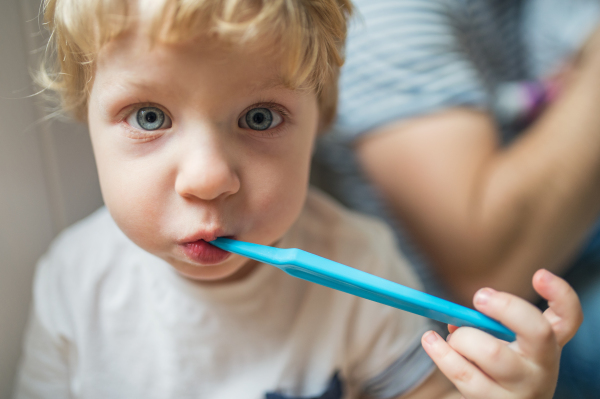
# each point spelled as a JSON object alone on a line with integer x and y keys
{"x": 193, "y": 142}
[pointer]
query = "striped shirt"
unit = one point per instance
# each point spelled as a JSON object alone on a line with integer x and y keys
{"x": 407, "y": 58}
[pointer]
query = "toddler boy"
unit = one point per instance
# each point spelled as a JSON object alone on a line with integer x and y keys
{"x": 203, "y": 116}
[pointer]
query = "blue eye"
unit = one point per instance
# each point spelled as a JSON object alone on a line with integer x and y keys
{"x": 149, "y": 118}
{"x": 260, "y": 119}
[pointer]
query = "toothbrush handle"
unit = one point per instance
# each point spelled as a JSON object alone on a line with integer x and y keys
{"x": 313, "y": 268}
{"x": 357, "y": 282}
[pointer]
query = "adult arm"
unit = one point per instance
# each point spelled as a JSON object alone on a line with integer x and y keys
{"x": 487, "y": 215}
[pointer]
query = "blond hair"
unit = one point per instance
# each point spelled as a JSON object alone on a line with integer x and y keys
{"x": 308, "y": 33}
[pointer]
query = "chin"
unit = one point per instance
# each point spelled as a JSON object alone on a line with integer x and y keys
{"x": 213, "y": 273}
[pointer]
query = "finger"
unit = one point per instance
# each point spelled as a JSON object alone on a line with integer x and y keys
{"x": 452, "y": 328}
{"x": 491, "y": 355}
{"x": 564, "y": 309}
{"x": 534, "y": 334}
{"x": 467, "y": 378}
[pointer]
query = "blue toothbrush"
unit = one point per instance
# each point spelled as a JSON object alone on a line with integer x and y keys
{"x": 316, "y": 269}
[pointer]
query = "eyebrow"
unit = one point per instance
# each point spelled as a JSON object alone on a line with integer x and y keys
{"x": 271, "y": 84}
{"x": 156, "y": 86}
{"x": 140, "y": 85}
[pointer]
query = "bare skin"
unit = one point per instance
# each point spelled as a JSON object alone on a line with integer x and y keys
{"x": 488, "y": 215}
{"x": 475, "y": 365}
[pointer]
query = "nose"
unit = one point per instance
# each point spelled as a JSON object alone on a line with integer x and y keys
{"x": 206, "y": 170}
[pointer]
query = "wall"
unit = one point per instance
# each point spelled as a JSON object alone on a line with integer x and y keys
{"x": 47, "y": 177}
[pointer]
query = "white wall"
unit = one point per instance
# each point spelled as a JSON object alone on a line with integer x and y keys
{"x": 47, "y": 177}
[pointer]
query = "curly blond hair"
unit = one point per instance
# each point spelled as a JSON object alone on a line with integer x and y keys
{"x": 309, "y": 34}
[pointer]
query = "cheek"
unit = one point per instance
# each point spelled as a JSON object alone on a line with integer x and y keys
{"x": 131, "y": 185}
{"x": 290, "y": 174}
{"x": 279, "y": 190}
{"x": 132, "y": 203}
{"x": 134, "y": 192}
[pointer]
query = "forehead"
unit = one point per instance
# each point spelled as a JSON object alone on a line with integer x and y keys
{"x": 134, "y": 62}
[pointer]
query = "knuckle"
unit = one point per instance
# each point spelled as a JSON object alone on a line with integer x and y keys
{"x": 493, "y": 351}
{"x": 463, "y": 375}
{"x": 544, "y": 332}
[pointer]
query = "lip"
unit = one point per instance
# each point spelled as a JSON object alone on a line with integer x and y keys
{"x": 199, "y": 250}
{"x": 204, "y": 253}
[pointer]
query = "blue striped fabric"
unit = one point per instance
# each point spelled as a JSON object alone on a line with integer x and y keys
{"x": 411, "y": 57}
{"x": 406, "y": 58}
{"x": 402, "y": 60}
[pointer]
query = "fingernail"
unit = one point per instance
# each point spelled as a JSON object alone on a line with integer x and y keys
{"x": 431, "y": 337}
{"x": 483, "y": 296}
{"x": 448, "y": 337}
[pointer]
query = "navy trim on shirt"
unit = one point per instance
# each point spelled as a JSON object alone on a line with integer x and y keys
{"x": 334, "y": 391}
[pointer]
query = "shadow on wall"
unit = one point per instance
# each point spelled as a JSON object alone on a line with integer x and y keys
{"x": 47, "y": 178}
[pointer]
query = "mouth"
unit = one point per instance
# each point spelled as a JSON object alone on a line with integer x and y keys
{"x": 202, "y": 252}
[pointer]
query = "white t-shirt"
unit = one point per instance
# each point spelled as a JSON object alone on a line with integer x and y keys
{"x": 110, "y": 320}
